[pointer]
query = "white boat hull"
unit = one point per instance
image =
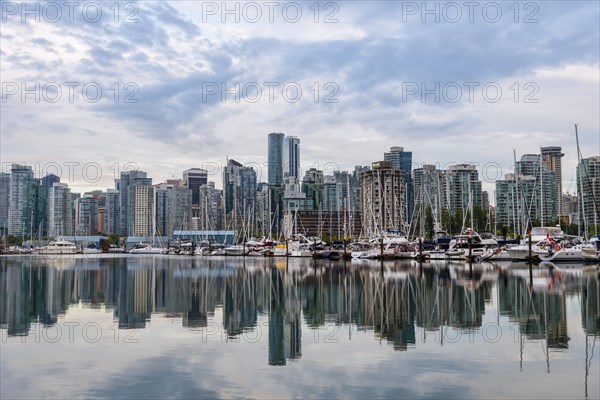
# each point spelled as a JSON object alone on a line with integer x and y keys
{"x": 301, "y": 253}
{"x": 520, "y": 252}
{"x": 566, "y": 254}
{"x": 590, "y": 253}
{"x": 57, "y": 251}
{"x": 358, "y": 254}
{"x": 234, "y": 252}
{"x": 148, "y": 250}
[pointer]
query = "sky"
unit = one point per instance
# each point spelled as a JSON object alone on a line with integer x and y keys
{"x": 92, "y": 89}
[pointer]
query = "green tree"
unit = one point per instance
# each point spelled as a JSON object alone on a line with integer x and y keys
{"x": 429, "y": 223}
{"x": 113, "y": 238}
{"x": 12, "y": 240}
{"x": 446, "y": 219}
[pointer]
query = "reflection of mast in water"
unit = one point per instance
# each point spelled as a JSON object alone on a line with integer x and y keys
{"x": 546, "y": 330}
{"x": 590, "y": 305}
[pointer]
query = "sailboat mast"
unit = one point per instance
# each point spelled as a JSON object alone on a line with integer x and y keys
{"x": 581, "y": 185}
{"x": 541, "y": 190}
{"x": 517, "y": 213}
{"x": 471, "y": 204}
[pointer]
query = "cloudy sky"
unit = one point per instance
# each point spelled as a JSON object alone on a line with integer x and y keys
{"x": 187, "y": 84}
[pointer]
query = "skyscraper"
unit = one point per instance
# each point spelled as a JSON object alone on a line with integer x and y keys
{"x": 552, "y": 158}
{"x": 508, "y": 206}
{"x": 4, "y": 201}
{"x": 588, "y": 193}
{"x": 402, "y": 160}
{"x": 263, "y": 214}
{"x": 141, "y": 207}
{"x": 275, "y": 158}
{"x": 330, "y": 198}
{"x": 283, "y": 158}
{"x": 34, "y": 208}
{"x": 59, "y": 210}
{"x": 125, "y": 199}
{"x": 20, "y": 176}
{"x": 49, "y": 180}
{"x": 173, "y": 207}
{"x": 291, "y": 157}
{"x": 87, "y": 215}
{"x": 312, "y": 186}
{"x": 193, "y": 178}
{"x": 211, "y": 208}
{"x": 430, "y": 190}
{"x": 463, "y": 187}
{"x": 544, "y": 205}
{"x": 112, "y": 212}
{"x": 239, "y": 187}
{"x": 383, "y": 196}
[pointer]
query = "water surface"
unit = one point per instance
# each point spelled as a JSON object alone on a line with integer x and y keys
{"x": 189, "y": 327}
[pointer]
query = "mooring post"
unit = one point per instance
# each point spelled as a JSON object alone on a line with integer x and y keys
{"x": 470, "y": 242}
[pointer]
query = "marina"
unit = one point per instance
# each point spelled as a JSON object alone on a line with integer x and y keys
{"x": 540, "y": 244}
{"x": 156, "y": 326}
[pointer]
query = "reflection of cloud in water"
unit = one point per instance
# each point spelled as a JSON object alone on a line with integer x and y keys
{"x": 160, "y": 378}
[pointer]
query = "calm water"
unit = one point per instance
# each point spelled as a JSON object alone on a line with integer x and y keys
{"x": 178, "y": 327}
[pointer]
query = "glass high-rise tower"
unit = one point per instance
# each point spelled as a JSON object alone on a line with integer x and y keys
{"x": 283, "y": 158}
{"x": 291, "y": 157}
{"x": 552, "y": 158}
{"x": 402, "y": 160}
{"x": 275, "y": 158}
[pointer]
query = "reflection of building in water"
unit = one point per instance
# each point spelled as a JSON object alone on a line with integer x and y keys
{"x": 196, "y": 317}
{"x": 277, "y": 299}
{"x": 468, "y": 305}
{"x": 15, "y": 314}
{"x": 590, "y": 305}
{"x": 540, "y": 315}
{"x": 391, "y": 302}
{"x": 331, "y": 296}
{"x": 88, "y": 285}
{"x": 134, "y": 299}
{"x": 434, "y": 300}
{"x": 555, "y": 311}
{"x": 239, "y": 305}
{"x": 30, "y": 293}
{"x": 285, "y": 337}
{"x": 388, "y": 306}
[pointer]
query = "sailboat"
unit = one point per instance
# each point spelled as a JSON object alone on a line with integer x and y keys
{"x": 589, "y": 251}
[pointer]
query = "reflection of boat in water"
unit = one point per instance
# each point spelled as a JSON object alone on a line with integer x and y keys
{"x": 203, "y": 272}
{"x": 547, "y": 278}
{"x": 472, "y": 275}
{"x": 570, "y": 270}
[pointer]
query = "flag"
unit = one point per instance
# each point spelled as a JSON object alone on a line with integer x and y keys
{"x": 549, "y": 238}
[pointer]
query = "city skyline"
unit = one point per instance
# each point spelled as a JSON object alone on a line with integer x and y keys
{"x": 383, "y": 195}
{"x": 74, "y": 173}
